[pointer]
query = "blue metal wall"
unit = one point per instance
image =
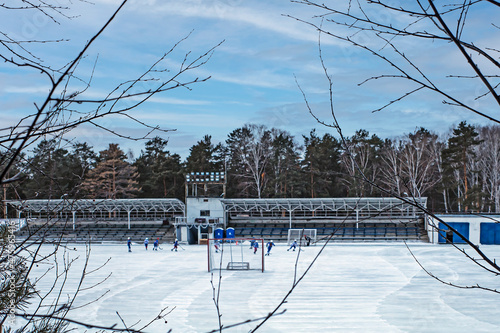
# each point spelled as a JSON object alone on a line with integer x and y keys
{"x": 490, "y": 233}
{"x": 461, "y": 227}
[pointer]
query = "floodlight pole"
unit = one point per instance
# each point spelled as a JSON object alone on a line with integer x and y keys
{"x": 357, "y": 218}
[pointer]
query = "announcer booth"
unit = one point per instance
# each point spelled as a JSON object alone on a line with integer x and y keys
{"x": 478, "y": 229}
{"x": 204, "y": 211}
{"x": 203, "y": 220}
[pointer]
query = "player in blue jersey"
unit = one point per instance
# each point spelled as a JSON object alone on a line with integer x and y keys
{"x": 293, "y": 246}
{"x": 269, "y": 245}
{"x": 176, "y": 244}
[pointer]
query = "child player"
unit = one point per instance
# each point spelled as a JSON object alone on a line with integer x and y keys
{"x": 255, "y": 247}
{"x": 176, "y": 243}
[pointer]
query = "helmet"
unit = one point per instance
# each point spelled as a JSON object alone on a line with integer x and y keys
{"x": 272, "y": 241}
{"x": 129, "y": 238}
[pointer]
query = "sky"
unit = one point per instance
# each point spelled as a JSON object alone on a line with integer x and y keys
{"x": 254, "y": 74}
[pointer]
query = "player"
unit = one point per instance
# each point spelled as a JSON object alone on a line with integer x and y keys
{"x": 176, "y": 244}
{"x": 129, "y": 244}
{"x": 255, "y": 246}
{"x": 308, "y": 240}
{"x": 216, "y": 245}
{"x": 146, "y": 242}
{"x": 251, "y": 243}
{"x": 269, "y": 245}
{"x": 155, "y": 244}
{"x": 294, "y": 245}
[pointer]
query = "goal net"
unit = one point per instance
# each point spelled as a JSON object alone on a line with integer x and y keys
{"x": 304, "y": 237}
{"x": 235, "y": 254}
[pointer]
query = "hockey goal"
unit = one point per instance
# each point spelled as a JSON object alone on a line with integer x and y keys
{"x": 304, "y": 237}
{"x": 235, "y": 254}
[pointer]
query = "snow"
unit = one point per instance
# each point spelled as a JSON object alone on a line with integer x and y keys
{"x": 350, "y": 288}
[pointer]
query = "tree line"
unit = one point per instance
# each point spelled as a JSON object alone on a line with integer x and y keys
{"x": 458, "y": 173}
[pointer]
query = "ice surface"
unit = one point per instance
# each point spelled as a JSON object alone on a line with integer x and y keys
{"x": 350, "y": 288}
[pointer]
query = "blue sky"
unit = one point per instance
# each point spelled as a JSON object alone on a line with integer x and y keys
{"x": 252, "y": 73}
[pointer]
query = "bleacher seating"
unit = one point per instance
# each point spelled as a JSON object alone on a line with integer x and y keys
{"x": 96, "y": 231}
{"x": 276, "y": 230}
{"x": 363, "y": 232}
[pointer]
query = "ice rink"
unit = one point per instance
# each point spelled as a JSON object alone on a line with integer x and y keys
{"x": 350, "y": 288}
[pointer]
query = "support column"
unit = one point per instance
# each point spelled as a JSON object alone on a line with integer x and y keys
{"x": 74, "y": 219}
{"x": 128, "y": 219}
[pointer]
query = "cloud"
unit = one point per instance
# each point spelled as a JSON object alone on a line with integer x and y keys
{"x": 267, "y": 16}
{"x": 36, "y": 90}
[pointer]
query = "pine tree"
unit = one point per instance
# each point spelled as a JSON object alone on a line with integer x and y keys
{"x": 113, "y": 177}
{"x": 456, "y": 157}
{"x": 284, "y": 167}
{"x": 49, "y": 170}
{"x": 205, "y": 156}
{"x": 160, "y": 173}
{"x": 321, "y": 165}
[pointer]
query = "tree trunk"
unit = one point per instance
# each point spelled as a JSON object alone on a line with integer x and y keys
{"x": 465, "y": 179}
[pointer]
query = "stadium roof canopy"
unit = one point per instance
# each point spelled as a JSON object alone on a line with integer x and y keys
{"x": 99, "y": 205}
{"x": 329, "y": 207}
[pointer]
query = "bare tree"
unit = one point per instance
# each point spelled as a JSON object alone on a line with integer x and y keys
{"x": 250, "y": 149}
{"x": 417, "y": 163}
{"x": 385, "y": 30}
{"x": 390, "y": 171}
{"x": 66, "y": 106}
{"x": 360, "y": 157}
{"x": 435, "y": 147}
{"x": 489, "y": 165}
{"x": 420, "y": 22}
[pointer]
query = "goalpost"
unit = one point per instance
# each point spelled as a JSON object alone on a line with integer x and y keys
{"x": 301, "y": 236}
{"x": 235, "y": 254}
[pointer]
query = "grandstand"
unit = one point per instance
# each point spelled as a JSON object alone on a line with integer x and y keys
{"x": 347, "y": 219}
{"x": 83, "y": 220}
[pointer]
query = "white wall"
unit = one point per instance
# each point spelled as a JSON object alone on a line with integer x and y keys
{"x": 474, "y": 225}
{"x": 194, "y": 205}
